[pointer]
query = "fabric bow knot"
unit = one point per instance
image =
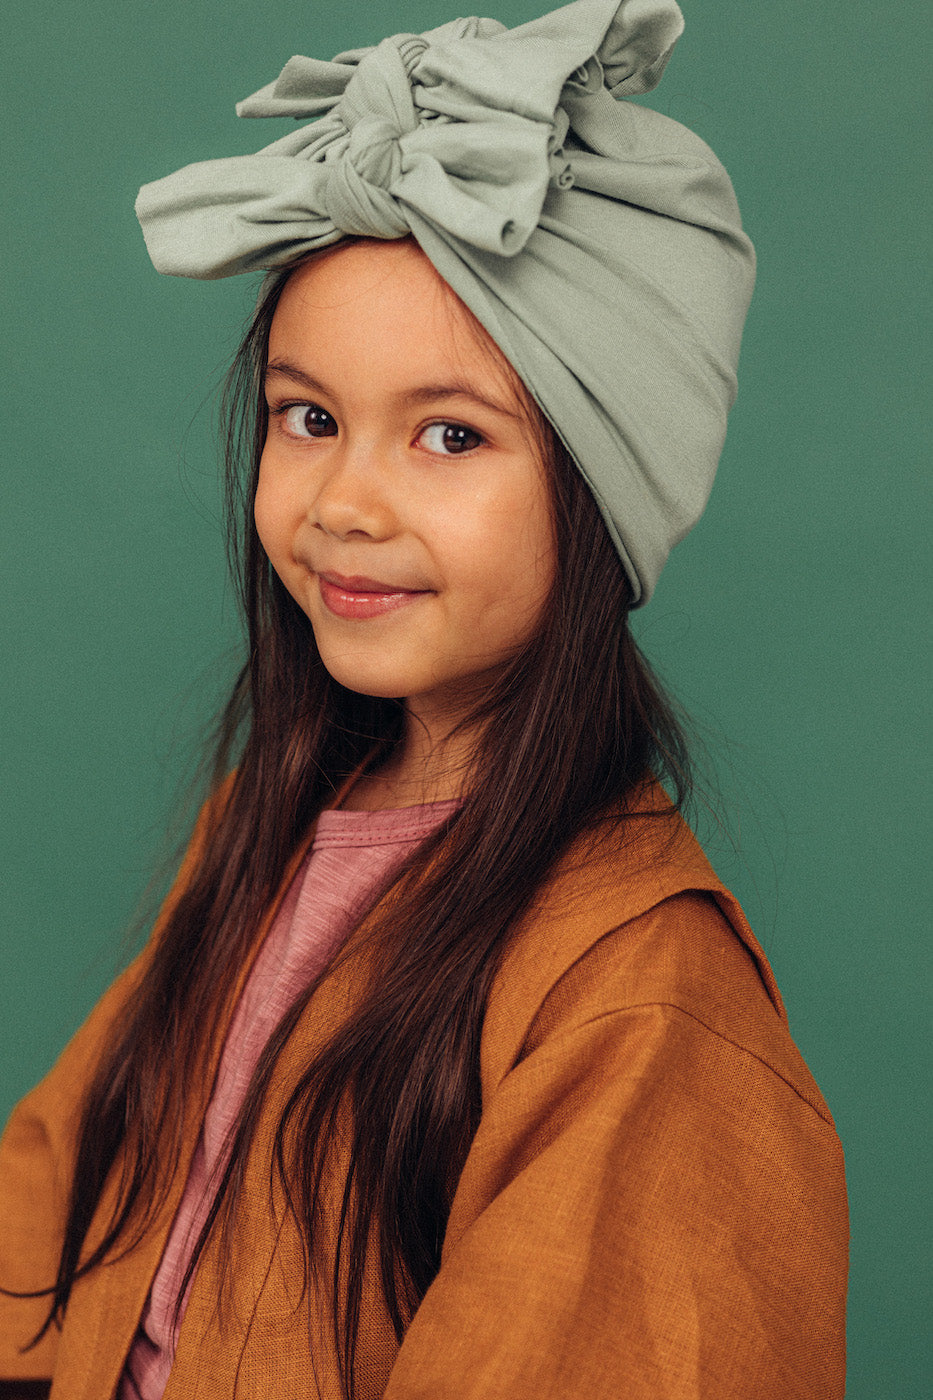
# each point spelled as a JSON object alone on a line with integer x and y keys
{"x": 463, "y": 126}
{"x": 396, "y": 149}
{"x": 386, "y": 146}
{"x": 363, "y": 164}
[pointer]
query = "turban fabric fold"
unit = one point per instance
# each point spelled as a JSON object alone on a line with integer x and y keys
{"x": 597, "y": 241}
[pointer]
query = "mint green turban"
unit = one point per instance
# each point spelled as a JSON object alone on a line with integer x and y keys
{"x": 598, "y": 242}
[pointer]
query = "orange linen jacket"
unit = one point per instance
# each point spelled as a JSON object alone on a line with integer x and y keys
{"x": 653, "y": 1206}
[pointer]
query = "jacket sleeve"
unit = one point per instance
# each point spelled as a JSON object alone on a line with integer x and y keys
{"x": 36, "y": 1163}
{"x": 649, "y": 1211}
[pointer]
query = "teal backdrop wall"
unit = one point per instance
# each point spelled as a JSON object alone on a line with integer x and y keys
{"x": 792, "y": 623}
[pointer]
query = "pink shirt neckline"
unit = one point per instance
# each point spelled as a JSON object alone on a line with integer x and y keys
{"x": 384, "y": 826}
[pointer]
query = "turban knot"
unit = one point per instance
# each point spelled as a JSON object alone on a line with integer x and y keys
{"x": 360, "y": 169}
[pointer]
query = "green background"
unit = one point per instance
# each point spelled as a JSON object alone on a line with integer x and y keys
{"x": 790, "y": 623}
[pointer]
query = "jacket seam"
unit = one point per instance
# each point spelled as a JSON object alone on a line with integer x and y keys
{"x": 727, "y": 1040}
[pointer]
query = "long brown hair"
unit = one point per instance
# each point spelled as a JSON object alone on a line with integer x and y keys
{"x": 568, "y": 731}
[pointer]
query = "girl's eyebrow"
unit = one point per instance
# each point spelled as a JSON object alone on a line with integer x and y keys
{"x": 424, "y": 393}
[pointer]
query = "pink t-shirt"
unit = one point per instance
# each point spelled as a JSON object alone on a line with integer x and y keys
{"x": 353, "y": 852}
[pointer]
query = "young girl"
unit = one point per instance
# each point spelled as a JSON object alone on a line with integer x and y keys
{"x": 450, "y": 1069}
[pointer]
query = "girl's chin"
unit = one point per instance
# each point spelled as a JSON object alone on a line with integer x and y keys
{"x": 416, "y": 693}
{"x": 362, "y": 685}
{"x": 376, "y": 681}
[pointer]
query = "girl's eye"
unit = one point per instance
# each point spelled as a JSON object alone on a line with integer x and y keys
{"x": 307, "y": 420}
{"x": 449, "y": 439}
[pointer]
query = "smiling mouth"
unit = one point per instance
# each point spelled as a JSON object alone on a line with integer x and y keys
{"x": 358, "y": 598}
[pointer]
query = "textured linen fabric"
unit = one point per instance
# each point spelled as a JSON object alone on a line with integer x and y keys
{"x": 653, "y": 1205}
{"x": 598, "y": 242}
{"x": 351, "y": 855}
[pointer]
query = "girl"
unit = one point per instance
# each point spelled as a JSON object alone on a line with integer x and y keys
{"x": 450, "y": 1069}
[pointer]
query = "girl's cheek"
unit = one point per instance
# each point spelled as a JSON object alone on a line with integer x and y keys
{"x": 264, "y": 514}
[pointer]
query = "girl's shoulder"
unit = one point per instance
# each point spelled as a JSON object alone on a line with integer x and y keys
{"x": 635, "y": 925}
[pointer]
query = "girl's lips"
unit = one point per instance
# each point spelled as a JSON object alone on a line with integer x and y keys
{"x": 359, "y": 597}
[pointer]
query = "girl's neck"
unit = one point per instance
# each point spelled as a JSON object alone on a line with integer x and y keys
{"x": 424, "y": 770}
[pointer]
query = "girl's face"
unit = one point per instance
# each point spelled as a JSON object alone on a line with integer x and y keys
{"x": 401, "y": 500}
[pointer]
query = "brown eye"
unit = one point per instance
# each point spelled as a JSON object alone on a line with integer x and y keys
{"x": 308, "y": 420}
{"x": 451, "y": 439}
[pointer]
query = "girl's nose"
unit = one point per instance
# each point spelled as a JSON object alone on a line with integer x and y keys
{"x": 353, "y": 497}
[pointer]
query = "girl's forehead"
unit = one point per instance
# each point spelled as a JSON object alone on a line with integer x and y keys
{"x": 365, "y": 273}
{"x": 369, "y": 293}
